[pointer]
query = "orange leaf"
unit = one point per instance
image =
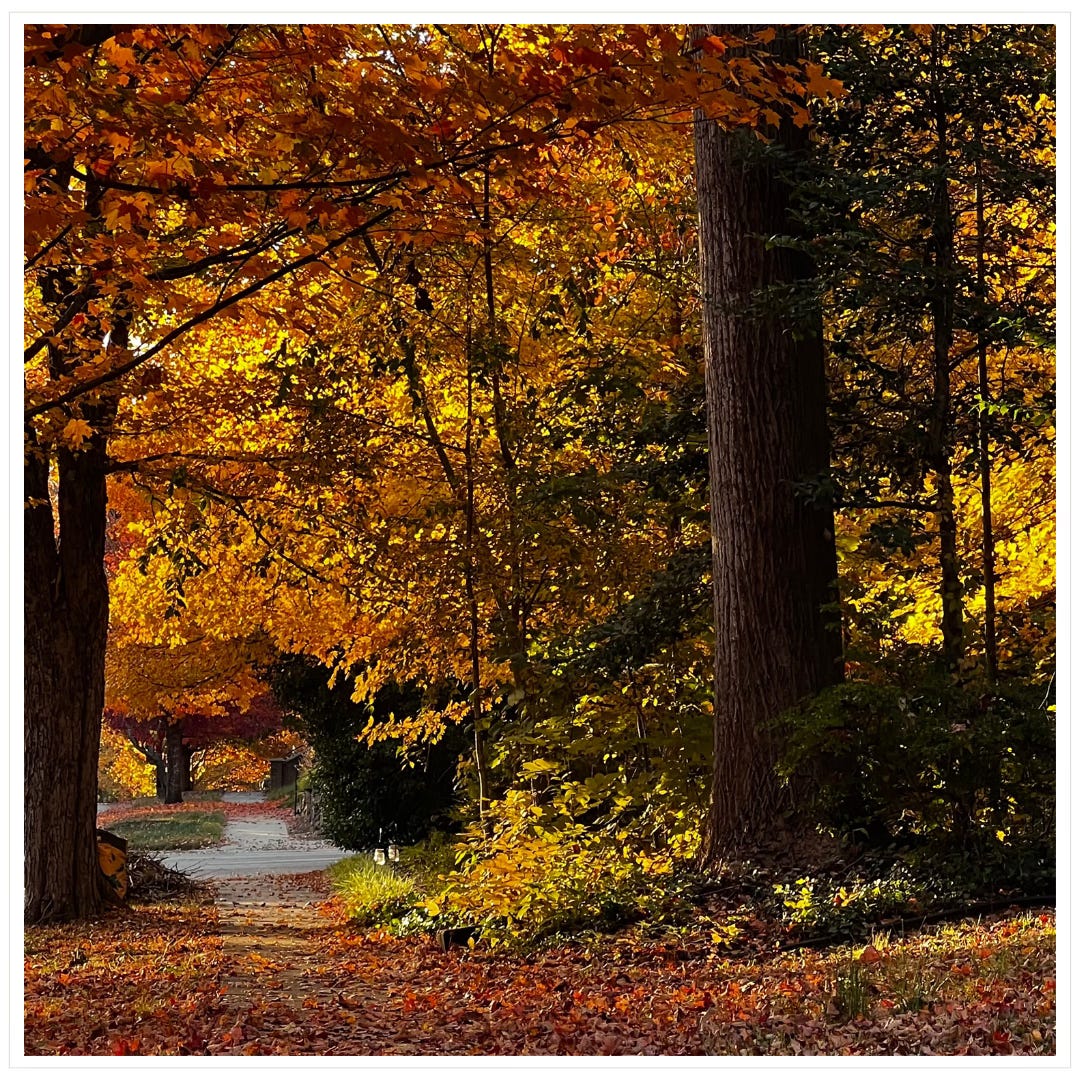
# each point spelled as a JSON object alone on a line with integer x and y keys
{"x": 76, "y": 432}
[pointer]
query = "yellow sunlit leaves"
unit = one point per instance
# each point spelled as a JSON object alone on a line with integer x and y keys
{"x": 120, "y": 56}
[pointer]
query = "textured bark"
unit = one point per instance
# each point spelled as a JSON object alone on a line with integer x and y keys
{"x": 774, "y": 558}
{"x": 175, "y": 762}
{"x": 66, "y": 622}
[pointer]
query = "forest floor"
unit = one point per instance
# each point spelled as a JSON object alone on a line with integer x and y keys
{"x": 270, "y": 969}
{"x": 268, "y": 965}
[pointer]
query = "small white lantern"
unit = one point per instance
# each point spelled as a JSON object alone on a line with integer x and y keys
{"x": 392, "y": 853}
{"x": 380, "y": 857}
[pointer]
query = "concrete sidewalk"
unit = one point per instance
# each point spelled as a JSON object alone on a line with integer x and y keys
{"x": 223, "y": 863}
{"x": 253, "y": 846}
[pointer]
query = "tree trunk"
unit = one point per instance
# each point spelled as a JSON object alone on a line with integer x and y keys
{"x": 773, "y": 552}
{"x": 943, "y": 306}
{"x": 479, "y": 740}
{"x": 158, "y": 761}
{"x": 188, "y": 784}
{"x": 174, "y": 762}
{"x": 66, "y": 622}
{"x": 989, "y": 571}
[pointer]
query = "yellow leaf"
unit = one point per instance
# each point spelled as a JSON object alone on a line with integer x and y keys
{"x": 76, "y": 432}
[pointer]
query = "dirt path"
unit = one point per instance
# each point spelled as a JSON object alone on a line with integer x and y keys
{"x": 268, "y": 926}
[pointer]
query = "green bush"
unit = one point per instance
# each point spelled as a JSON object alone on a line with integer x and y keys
{"x": 368, "y": 794}
{"x": 934, "y": 764}
{"x": 832, "y": 905}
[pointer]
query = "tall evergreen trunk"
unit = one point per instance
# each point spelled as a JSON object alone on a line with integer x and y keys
{"x": 773, "y": 552}
{"x": 988, "y": 568}
{"x": 66, "y": 622}
{"x": 174, "y": 762}
{"x": 941, "y": 428}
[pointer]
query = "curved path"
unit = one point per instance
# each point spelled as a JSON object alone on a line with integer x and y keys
{"x": 254, "y": 845}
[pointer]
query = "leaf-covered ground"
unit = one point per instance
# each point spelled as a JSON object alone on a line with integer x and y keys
{"x": 282, "y": 975}
{"x": 126, "y": 811}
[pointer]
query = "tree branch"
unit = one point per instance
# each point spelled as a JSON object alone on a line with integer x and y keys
{"x": 197, "y": 320}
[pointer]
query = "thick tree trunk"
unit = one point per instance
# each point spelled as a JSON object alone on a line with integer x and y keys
{"x": 774, "y": 557}
{"x": 66, "y": 622}
{"x": 175, "y": 760}
{"x": 66, "y": 625}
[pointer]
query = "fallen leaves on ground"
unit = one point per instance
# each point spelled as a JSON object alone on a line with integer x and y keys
{"x": 155, "y": 980}
{"x": 127, "y": 810}
{"x": 145, "y": 980}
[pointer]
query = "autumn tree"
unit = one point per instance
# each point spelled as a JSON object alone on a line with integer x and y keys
{"x": 174, "y": 221}
{"x": 176, "y": 744}
{"x": 173, "y": 699}
{"x": 932, "y": 212}
{"x": 774, "y": 561}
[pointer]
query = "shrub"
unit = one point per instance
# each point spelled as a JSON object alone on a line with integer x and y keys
{"x": 936, "y": 764}
{"x": 837, "y": 906}
{"x": 367, "y": 793}
{"x": 540, "y": 875}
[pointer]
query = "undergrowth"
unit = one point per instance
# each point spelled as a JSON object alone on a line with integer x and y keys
{"x": 372, "y": 894}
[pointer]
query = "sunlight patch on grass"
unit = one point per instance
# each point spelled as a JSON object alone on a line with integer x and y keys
{"x": 179, "y": 831}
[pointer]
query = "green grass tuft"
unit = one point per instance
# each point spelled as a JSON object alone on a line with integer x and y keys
{"x": 371, "y": 893}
